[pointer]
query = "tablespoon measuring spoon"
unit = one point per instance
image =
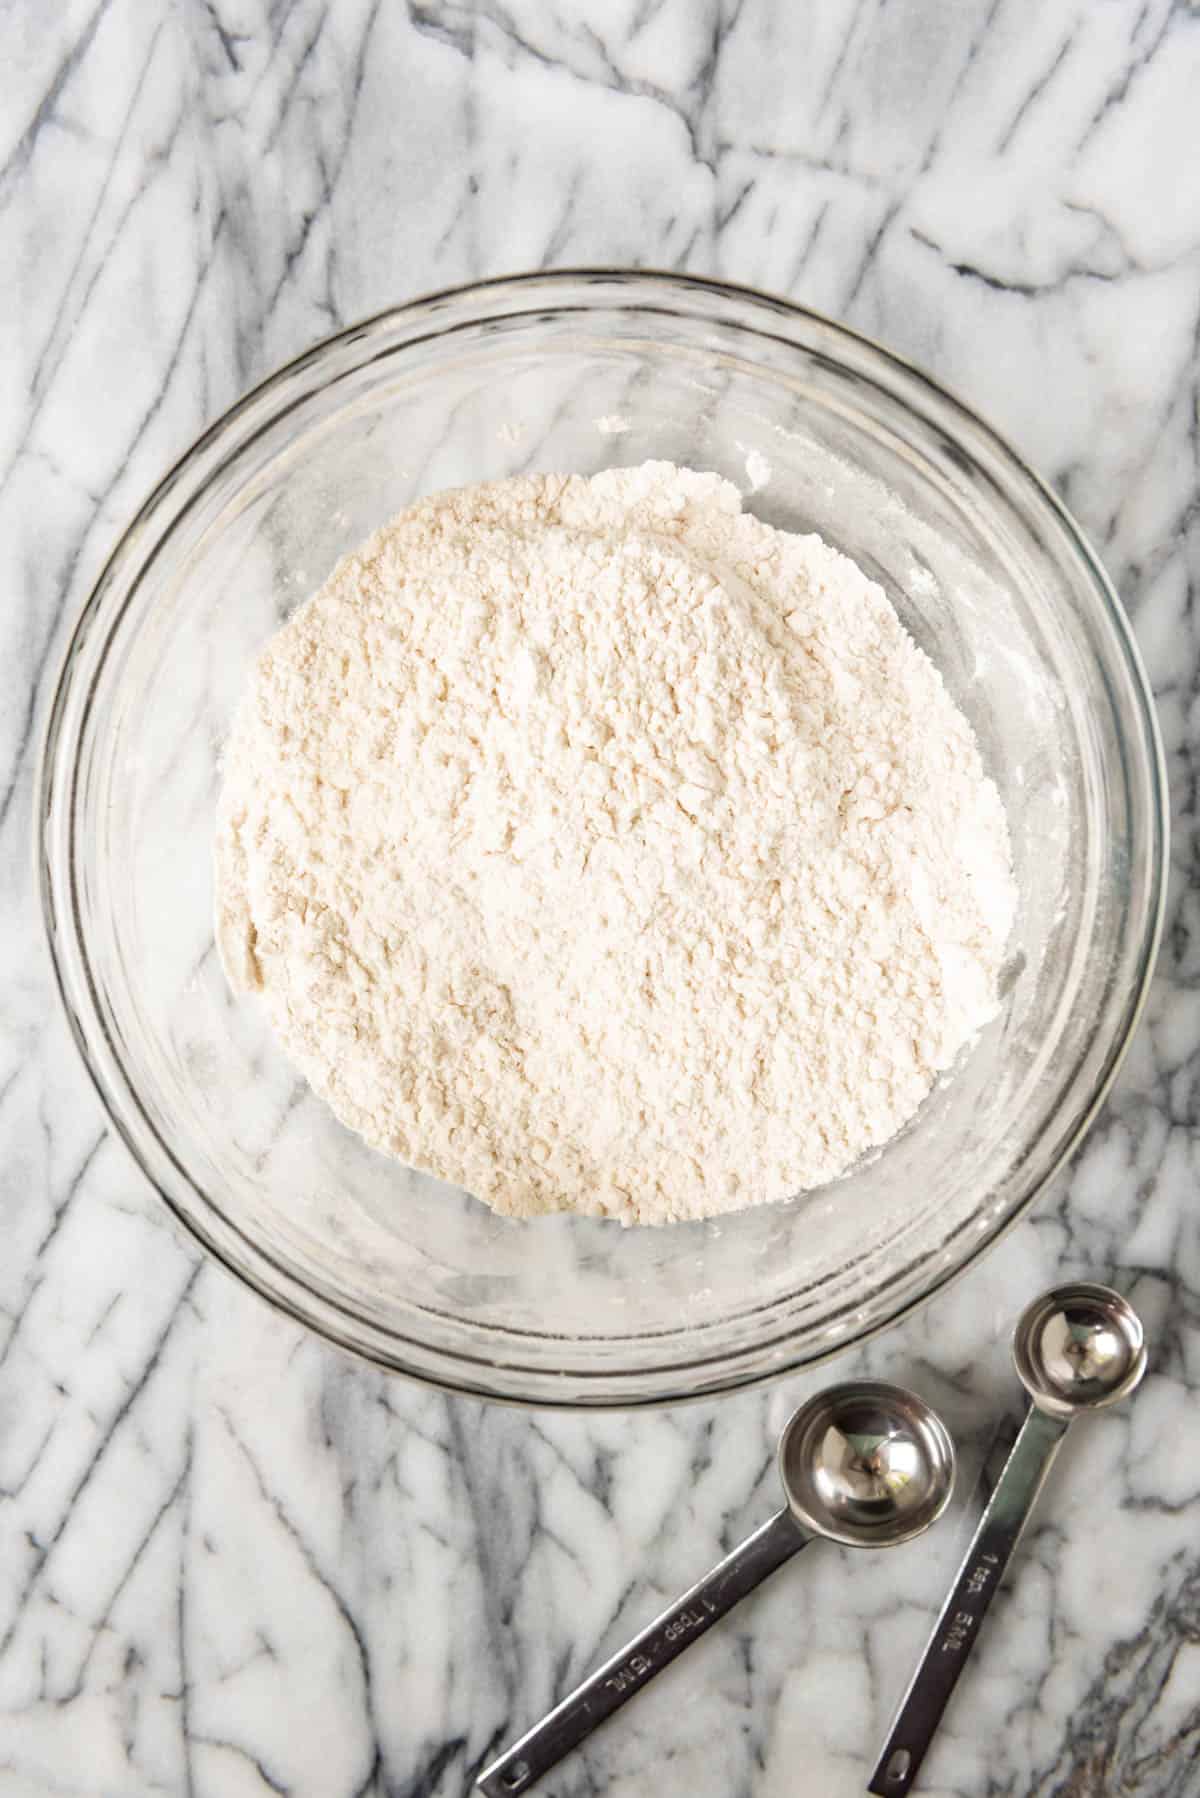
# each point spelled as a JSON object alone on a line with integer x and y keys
{"x": 1077, "y": 1348}
{"x": 863, "y": 1463}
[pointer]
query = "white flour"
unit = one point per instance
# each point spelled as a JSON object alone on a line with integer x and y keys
{"x": 596, "y": 846}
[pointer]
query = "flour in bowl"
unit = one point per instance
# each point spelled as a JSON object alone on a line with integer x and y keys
{"x": 598, "y": 847}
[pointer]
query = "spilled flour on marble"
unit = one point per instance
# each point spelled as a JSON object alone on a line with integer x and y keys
{"x": 598, "y": 847}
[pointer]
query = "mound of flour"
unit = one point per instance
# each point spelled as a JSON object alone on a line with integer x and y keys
{"x": 597, "y": 847}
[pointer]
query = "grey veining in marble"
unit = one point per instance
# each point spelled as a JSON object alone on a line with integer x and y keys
{"x": 233, "y": 1563}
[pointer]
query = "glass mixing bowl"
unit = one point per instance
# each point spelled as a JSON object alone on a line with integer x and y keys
{"x": 578, "y": 372}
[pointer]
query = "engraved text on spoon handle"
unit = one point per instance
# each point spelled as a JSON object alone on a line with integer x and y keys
{"x": 978, "y": 1577}
{"x": 606, "y": 1690}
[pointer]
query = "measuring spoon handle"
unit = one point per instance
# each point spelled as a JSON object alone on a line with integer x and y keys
{"x": 611, "y": 1685}
{"x": 954, "y": 1633}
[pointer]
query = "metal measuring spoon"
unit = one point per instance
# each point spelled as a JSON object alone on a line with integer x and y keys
{"x": 1076, "y": 1349}
{"x": 863, "y": 1463}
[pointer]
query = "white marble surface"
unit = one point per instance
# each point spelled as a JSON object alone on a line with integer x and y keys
{"x": 233, "y": 1563}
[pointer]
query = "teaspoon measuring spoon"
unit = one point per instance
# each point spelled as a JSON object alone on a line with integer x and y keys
{"x": 1076, "y": 1349}
{"x": 864, "y": 1463}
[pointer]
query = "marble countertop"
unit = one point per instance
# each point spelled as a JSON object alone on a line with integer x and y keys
{"x": 232, "y": 1562}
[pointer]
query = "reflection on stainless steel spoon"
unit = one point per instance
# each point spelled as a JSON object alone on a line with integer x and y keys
{"x": 1076, "y": 1349}
{"x": 864, "y": 1463}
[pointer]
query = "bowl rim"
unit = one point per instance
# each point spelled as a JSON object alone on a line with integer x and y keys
{"x": 691, "y": 1377}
